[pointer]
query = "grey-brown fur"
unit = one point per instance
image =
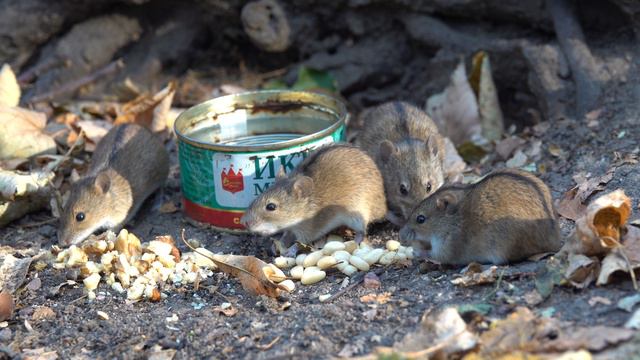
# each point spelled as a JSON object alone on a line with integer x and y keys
{"x": 337, "y": 185}
{"x": 507, "y": 216}
{"x": 127, "y": 166}
{"x": 409, "y": 151}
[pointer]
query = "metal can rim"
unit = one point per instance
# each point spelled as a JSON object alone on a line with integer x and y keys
{"x": 247, "y": 100}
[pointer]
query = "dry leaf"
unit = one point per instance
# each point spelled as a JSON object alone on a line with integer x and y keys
{"x": 150, "y": 111}
{"x": 632, "y": 323}
{"x": 250, "y": 271}
{"x": 9, "y": 88}
{"x": 455, "y": 110}
{"x": 621, "y": 258}
{"x": 376, "y": 298}
{"x": 474, "y": 277}
{"x": 593, "y": 338}
{"x": 21, "y": 133}
{"x": 582, "y": 271}
{"x": 13, "y": 271}
{"x": 488, "y": 104}
{"x": 94, "y": 130}
{"x": 168, "y": 208}
{"x": 6, "y": 306}
{"x": 453, "y": 162}
{"x": 14, "y": 184}
{"x": 440, "y": 335}
{"x": 506, "y": 147}
{"x": 599, "y": 300}
{"x": 598, "y": 230}
{"x": 228, "y": 311}
{"x": 571, "y": 206}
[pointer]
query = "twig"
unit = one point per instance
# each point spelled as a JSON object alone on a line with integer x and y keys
{"x": 78, "y": 299}
{"x": 583, "y": 66}
{"x": 269, "y": 345}
{"x": 78, "y": 83}
{"x": 354, "y": 282}
{"x": 496, "y": 288}
{"x": 35, "y": 71}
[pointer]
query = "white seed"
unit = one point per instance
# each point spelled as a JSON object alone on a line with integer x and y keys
{"x": 124, "y": 279}
{"x": 334, "y": 237}
{"x": 409, "y": 252}
{"x": 273, "y": 273}
{"x": 349, "y": 270}
{"x": 364, "y": 245}
{"x": 148, "y": 291}
{"x": 393, "y": 245}
{"x": 400, "y": 257}
{"x": 296, "y": 272}
{"x": 288, "y": 285}
{"x": 312, "y": 259}
{"x": 387, "y": 258}
{"x": 91, "y": 282}
{"x": 159, "y": 248}
{"x": 359, "y": 263}
{"x": 204, "y": 261}
{"x": 341, "y": 255}
{"x": 373, "y": 256}
{"x": 91, "y": 295}
{"x": 326, "y": 262}
{"x": 148, "y": 257}
{"x": 284, "y": 262}
{"x": 191, "y": 277}
{"x": 116, "y": 286}
{"x": 324, "y": 297}
{"x": 102, "y": 315}
{"x": 167, "y": 260}
{"x": 341, "y": 265}
{"x": 312, "y": 277}
{"x": 361, "y": 252}
{"x": 135, "y": 292}
{"x": 300, "y": 259}
{"x": 350, "y": 246}
{"x": 76, "y": 256}
{"x": 332, "y": 246}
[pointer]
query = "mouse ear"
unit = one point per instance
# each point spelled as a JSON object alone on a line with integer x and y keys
{"x": 433, "y": 145}
{"x": 303, "y": 186}
{"x": 447, "y": 201}
{"x": 281, "y": 174}
{"x": 387, "y": 148}
{"x": 103, "y": 183}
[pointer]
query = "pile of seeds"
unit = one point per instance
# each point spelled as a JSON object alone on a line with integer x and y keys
{"x": 128, "y": 266}
{"x": 348, "y": 257}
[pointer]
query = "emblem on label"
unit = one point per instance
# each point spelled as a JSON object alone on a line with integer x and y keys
{"x": 231, "y": 181}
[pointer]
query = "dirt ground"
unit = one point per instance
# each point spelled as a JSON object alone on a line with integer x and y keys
{"x": 298, "y": 325}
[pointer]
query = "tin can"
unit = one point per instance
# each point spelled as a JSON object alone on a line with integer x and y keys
{"x": 231, "y": 148}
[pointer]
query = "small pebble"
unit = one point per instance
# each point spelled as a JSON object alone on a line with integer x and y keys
{"x": 371, "y": 281}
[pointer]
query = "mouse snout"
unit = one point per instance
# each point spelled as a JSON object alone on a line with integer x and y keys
{"x": 407, "y": 234}
{"x": 63, "y": 239}
{"x": 247, "y": 221}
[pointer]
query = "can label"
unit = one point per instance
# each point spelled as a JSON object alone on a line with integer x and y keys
{"x": 218, "y": 186}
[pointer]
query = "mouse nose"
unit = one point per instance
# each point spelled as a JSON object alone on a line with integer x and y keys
{"x": 406, "y": 234}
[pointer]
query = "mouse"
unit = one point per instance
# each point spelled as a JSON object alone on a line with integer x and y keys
{"x": 409, "y": 151}
{"x": 507, "y": 216}
{"x": 128, "y": 165}
{"x": 336, "y": 185}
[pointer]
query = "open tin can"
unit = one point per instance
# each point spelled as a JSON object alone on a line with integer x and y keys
{"x": 231, "y": 148}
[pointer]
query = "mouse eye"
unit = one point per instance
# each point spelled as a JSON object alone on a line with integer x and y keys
{"x": 420, "y": 219}
{"x": 271, "y": 207}
{"x": 79, "y": 216}
{"x": 428, "y": 187}
{"x": 403, "y": 189}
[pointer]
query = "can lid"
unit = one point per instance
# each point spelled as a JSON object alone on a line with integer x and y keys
{"x": 257, "y": 104}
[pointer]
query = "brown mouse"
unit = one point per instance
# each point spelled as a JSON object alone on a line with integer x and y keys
{"x": 336, "y": 185}
{"x": 505, "y": 217}
{"x": 409, "y": 151}
{"x": 127, "y": 166}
